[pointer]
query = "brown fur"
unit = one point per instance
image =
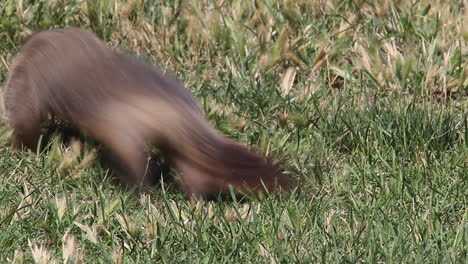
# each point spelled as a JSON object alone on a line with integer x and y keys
{"x": 126, "y": 105}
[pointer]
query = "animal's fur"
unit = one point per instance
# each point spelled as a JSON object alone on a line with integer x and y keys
{"x": 126, "y": 105}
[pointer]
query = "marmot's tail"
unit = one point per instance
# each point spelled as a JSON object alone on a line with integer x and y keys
{"x": 208, "y": 161}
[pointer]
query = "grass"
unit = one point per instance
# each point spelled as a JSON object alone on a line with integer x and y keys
{"x": 366, "y": 100}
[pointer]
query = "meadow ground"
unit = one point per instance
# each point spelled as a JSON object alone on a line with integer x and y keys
{"x": 365, "y": 100}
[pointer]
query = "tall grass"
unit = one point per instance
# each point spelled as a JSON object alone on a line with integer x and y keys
{"x": 364, "y": 100}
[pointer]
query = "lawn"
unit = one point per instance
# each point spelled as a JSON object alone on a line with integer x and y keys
{"x": 365, "y": 102}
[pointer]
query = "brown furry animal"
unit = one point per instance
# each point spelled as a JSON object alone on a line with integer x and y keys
{"x": 125, "y": 105}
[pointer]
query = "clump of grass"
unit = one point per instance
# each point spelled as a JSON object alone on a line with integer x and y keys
{"x": 365, "y": 100}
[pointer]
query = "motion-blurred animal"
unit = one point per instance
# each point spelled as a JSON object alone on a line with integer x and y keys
{"x": 126, "y": 105}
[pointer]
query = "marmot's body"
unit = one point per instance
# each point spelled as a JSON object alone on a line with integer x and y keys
{"x": 125, "y": 105}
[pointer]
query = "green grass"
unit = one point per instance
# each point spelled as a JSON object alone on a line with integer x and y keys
{"x": 365, "y": 100}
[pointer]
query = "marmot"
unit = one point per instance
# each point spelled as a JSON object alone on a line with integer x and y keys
{"x": 126, "y": 104}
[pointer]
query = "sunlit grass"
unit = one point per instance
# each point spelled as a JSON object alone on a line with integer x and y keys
{"x": 365, "y": 100}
